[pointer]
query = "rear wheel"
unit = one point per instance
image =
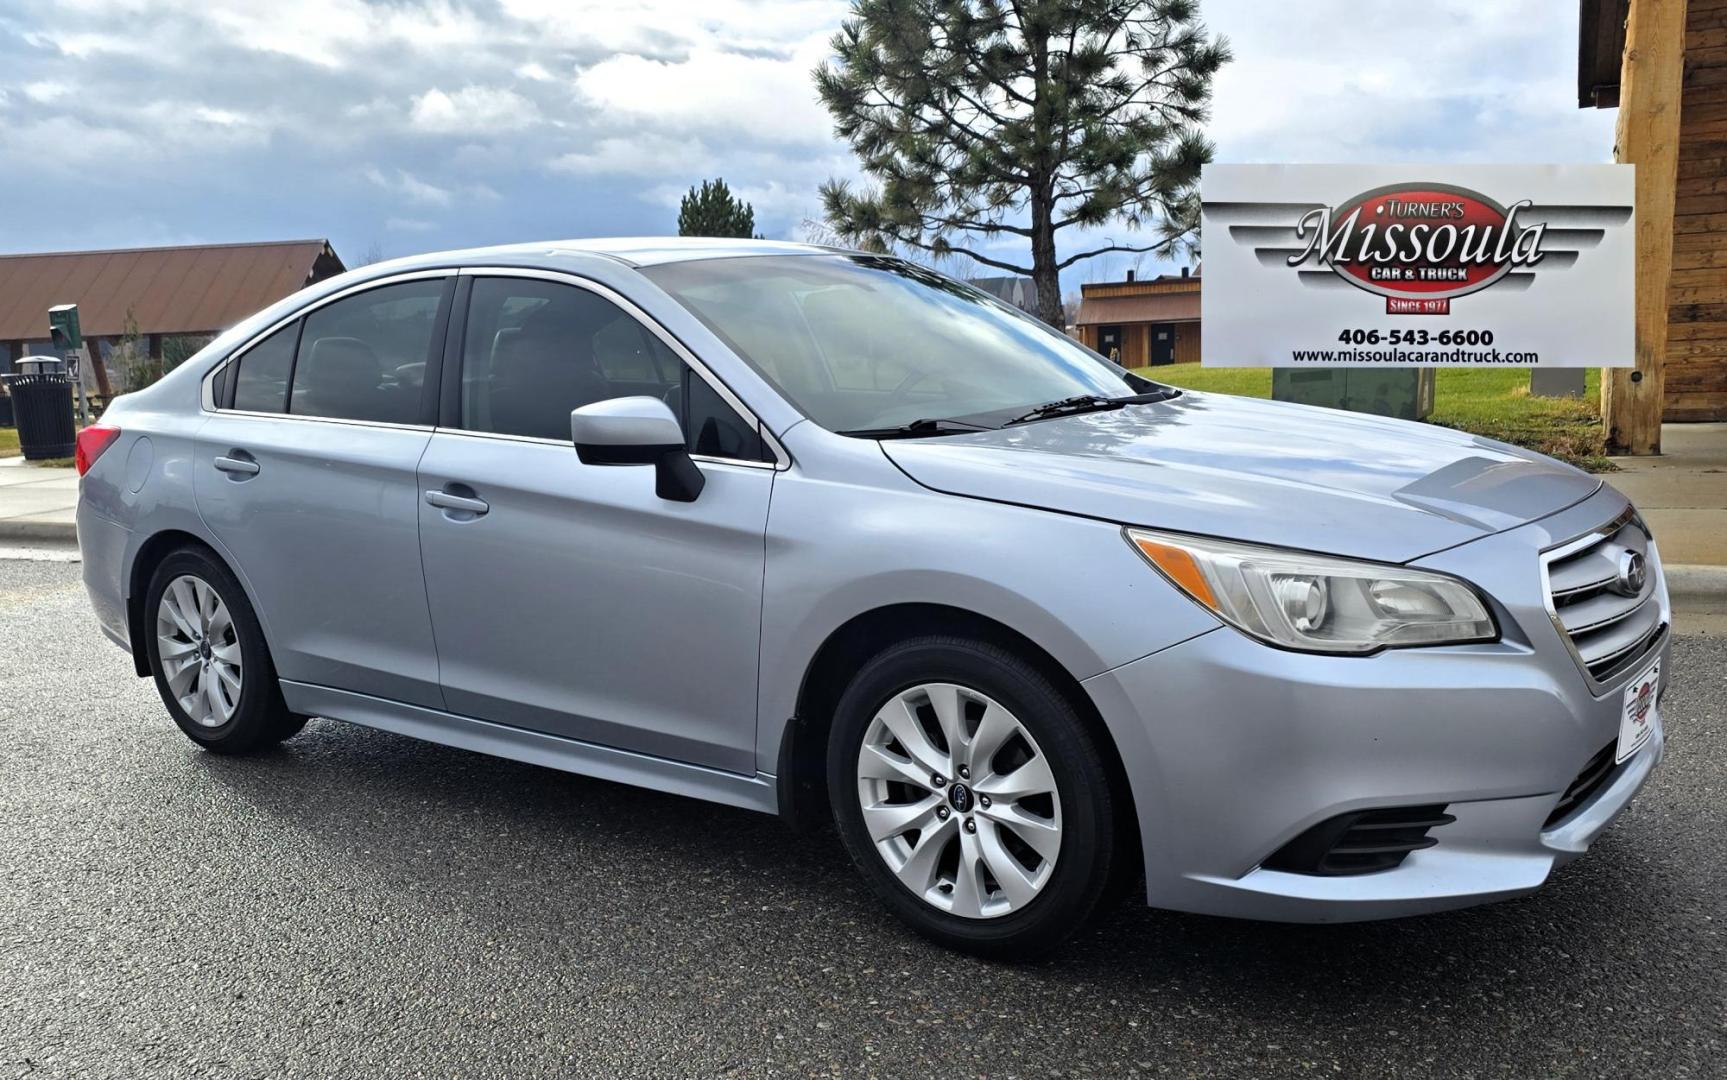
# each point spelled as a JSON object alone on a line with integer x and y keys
{"x": 207, "y": 654}
{"x": 971, "y": 796}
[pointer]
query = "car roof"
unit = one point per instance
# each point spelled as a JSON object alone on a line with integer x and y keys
{"x": 631, "y": 251}
{"x": 653, "y": 250}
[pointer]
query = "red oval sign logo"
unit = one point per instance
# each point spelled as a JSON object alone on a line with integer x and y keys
{"x": 1420, "y": 241}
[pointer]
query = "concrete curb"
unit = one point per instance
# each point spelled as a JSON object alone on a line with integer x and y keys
{"x": 1693, "y": 583}
{"x": 38, "y": 530}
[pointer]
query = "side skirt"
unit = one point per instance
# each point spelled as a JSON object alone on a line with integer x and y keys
{"x": 758, "y": 792}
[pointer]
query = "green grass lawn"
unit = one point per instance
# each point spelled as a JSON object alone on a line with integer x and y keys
{"x": 1494, "y": 402}
{"x": 9, "y": 448}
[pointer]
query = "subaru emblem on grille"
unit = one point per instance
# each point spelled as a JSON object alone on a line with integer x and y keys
{"x": 1633, "y": 571}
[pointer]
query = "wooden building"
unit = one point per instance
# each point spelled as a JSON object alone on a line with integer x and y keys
{"x": 1694, "y": 359}
{"x": 1140, "y": 323}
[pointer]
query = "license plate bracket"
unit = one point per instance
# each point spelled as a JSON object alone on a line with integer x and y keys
{"x": 1637, "y": 715}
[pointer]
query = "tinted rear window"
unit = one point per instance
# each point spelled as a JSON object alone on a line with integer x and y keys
{"x": 261, "y": 384}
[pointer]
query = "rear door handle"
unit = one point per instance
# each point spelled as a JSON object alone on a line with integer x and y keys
{"x": 238, "y": 467}
{"x": 462, "y": 504}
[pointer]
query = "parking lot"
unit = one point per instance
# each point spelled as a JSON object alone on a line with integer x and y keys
{"x": 361, "y": 904}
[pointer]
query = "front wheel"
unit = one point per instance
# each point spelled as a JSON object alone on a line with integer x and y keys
{"x": 207, "y": 653}
{"x": 971, "y": 796}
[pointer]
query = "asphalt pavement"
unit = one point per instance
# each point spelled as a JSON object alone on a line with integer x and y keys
{"x": 361, "y": 904}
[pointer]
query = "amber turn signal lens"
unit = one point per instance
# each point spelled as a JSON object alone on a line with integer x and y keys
{"x": 1179, "y": 567}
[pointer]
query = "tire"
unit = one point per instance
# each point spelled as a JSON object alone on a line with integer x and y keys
{"x": 253, "y": 719}
{"x": 939, "y": 891}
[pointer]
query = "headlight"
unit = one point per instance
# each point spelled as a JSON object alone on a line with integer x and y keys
{"x": 1317, "y": 603}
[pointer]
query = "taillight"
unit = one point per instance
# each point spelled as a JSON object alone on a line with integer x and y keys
{"x": 91, "y": 442}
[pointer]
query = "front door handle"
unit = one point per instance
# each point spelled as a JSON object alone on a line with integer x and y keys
{"x": 461, "y": 504}
{"x": 238, "y": 467}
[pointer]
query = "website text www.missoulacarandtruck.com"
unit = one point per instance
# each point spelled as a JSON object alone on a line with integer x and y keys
{"x": 1414, "y": 356}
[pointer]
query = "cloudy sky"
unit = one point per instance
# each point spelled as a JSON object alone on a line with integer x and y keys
{"x": 396, "y": 126}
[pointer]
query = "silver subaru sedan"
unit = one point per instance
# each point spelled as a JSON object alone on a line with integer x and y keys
{"x": 828, "y": 535}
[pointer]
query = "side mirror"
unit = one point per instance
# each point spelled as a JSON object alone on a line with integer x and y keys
{"x": 638, "y": 431}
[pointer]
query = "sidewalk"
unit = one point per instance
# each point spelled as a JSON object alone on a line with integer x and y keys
{"x": 37, "y": 503}
{"x": 1682, "y": 493}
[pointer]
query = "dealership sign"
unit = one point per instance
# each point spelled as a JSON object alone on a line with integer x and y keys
{"x": 1437, "y": 265}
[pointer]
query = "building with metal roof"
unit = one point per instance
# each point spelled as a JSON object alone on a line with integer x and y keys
{"x": 151, "y": 293}
{"x": 1142, "y": 322}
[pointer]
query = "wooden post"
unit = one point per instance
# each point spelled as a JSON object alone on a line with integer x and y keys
{"x": 100, "y": 370}
{"x": 1650, "y": 81}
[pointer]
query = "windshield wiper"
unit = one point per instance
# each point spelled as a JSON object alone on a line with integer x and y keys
{"x": 1085, "y": 403}
{"x": 916, "y": 429}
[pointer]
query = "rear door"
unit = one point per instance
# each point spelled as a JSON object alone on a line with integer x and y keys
{"x": 569, "y": 598}
{"x": 306, "y": 474}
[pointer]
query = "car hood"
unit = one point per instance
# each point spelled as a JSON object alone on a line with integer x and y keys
{"x": 1259, "y": 471}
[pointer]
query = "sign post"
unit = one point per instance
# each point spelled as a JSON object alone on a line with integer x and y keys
{"x": 1651, "y": 83}
{"x": 69, "y": 343}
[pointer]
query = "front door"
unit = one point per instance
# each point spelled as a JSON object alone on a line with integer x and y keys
{"x": 569, "y": 598}
{"x": 1109, "y": 340}
{"x": 1163, "y": 343}
{"x": 306, "y": 474}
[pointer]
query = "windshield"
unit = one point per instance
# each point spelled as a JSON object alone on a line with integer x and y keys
{"x": 862, "y": 342}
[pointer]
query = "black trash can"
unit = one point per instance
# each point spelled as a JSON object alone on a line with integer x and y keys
{"x": 42, "y": 407}
{"x": 6, "y": 410}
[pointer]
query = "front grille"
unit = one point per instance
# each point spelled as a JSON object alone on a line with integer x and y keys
{"x": 1591, "y": 780}
{"x": 1608, "y": 628}
{"x": 1360, "y": 842}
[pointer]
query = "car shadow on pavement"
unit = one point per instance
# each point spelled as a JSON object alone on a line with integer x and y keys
{"x": 656, "y": 865}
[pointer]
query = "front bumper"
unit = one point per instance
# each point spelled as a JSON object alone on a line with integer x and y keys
{"x": 1237, "y": 748}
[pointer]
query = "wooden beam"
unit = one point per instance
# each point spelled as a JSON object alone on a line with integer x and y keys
{"x": 99, "y": 369}
{"x": 1647, "y": 136}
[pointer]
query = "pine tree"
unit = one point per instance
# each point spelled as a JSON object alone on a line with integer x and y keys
{"x": 710, "y": 210}
{"x": 978, "y": 119}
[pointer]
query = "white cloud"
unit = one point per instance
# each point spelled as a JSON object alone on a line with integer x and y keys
{"x": 220, "y": 117}
{"x": 409, "y": 186}
{"x": 397, "y": 224}
{"x": 472, "y": 110}
{"x": 46, "y": 91}
{"x": 672, "y": 27}
{"x": 715, "y": 91}
{"x": 634, "y": 155}
{"x": 1484, "y": 82}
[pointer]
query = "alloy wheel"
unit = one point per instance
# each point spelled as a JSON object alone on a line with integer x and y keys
{"x": 199, "y": 650}
{"x": 959, "y": 800}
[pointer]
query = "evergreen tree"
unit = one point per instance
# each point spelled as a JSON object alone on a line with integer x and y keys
{"x": 710, "y": 210}
{"x": 983, "y": 118}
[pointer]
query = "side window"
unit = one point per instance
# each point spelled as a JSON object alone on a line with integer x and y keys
{"x": 261, "y": 378}
{"x": 625, "y": 352}
{"x": 364, "y": 358}
{"x": 536, "y": 350}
